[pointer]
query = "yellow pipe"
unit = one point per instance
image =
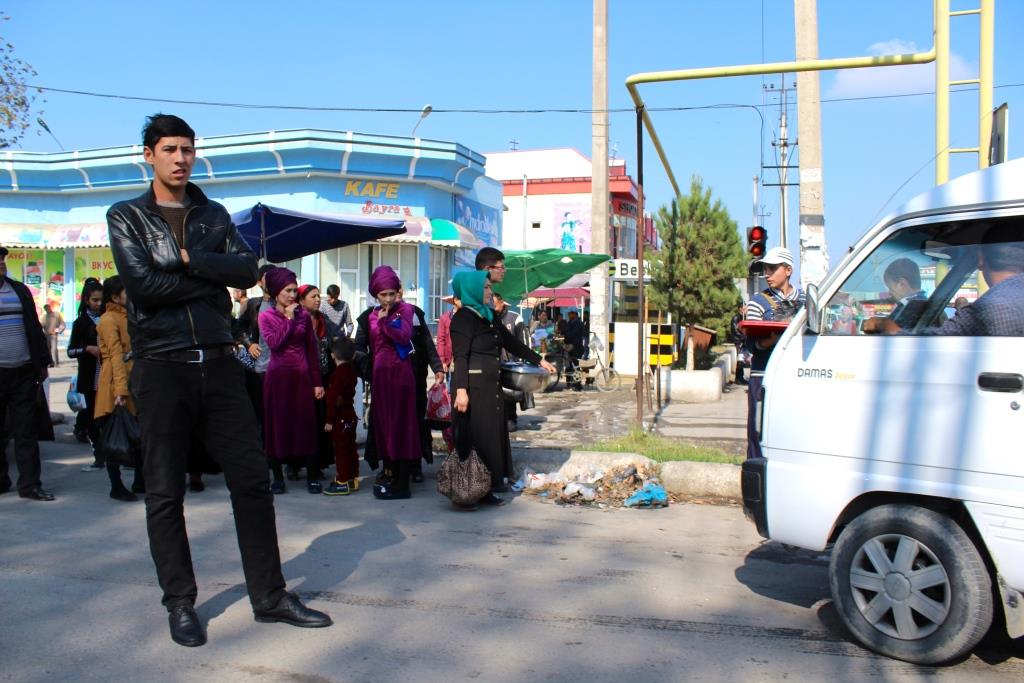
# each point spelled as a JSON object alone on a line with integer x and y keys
{"x": 941, "y": 10}
{"x": 985, "y": 75}
{"x": 941, "y": 92}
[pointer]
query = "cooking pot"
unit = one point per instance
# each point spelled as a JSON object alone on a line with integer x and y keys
{"x": 519, "y": 376}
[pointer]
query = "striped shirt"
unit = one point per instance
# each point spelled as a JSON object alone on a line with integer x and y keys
{"x": 13, "y": 339}
{"x": 771, "y": 304}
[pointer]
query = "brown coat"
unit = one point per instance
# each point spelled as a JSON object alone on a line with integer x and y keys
{"x": 114, "y": 342}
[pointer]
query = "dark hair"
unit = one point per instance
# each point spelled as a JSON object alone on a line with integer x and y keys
{"x": 488, "y": 256}
{"x": 1003, "y": 247}
{"x": 333, "y": 291}
{"x": 112, "y": 286}
{"x": 343, "y": 348}
{"x": 264, "y": 269}
{"x": 903, "y": 269}
{"x": 165, "y": 126}
{"x": 91, "y": 285}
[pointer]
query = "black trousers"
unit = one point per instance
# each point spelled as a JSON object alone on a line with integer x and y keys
{"x": 18, "y": 389}
{"x": 175, "y": 401}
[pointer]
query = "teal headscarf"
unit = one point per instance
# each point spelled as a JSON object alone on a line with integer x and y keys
{"x": 468, "y": 286}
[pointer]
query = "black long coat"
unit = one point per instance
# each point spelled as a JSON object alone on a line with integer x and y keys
{"x": 476, "y": 350}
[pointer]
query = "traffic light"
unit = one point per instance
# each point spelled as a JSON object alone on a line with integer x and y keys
{"x": 756, "y": 238}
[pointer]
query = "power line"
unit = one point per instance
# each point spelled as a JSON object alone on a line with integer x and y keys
{"x": 382, "y": 110}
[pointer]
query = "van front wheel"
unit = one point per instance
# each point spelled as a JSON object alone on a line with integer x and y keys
{"x": 909, "y": 583}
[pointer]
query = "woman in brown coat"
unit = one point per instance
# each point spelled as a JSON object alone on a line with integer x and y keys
{"x": 115, "y": 367}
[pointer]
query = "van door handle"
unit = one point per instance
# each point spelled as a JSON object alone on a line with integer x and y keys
{"x": 1006, "y": 382}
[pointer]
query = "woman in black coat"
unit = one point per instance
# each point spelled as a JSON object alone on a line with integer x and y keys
{"x": 477, "y": 340}
{"x": 84, "y": 347}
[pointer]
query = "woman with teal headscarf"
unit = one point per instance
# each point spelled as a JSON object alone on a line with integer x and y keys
{"x": 477, "y": 340}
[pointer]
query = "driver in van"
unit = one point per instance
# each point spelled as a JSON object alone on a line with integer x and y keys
{"x": 780, "y": 301}
{"x": 999, "y": 312}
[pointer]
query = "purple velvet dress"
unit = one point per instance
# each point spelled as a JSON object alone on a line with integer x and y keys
{"x": 289, "y": 409}
{"x": 395, "y": 428}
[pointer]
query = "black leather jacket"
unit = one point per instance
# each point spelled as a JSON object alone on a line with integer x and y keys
{"x": 171, "y": 305}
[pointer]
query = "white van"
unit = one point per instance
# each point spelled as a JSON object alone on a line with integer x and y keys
{"x": 905, "y": 452}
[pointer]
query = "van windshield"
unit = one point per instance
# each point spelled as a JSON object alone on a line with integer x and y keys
{"x": 919, "y": 277}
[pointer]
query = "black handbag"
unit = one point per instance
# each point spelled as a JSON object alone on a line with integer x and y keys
{"x": 120, "y": 440}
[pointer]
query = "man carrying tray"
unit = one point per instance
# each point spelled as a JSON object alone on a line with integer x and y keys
{"x": 779, "y": 302}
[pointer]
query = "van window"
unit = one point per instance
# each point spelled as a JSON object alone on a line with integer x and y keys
{"x": 919, "y": 277}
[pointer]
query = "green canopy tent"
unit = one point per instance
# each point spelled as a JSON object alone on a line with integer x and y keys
{"x": 525, "y": 271}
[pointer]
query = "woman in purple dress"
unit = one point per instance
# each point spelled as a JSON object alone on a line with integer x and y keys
{"x": 395, "y": 428}
{"x": 292, "y": 383}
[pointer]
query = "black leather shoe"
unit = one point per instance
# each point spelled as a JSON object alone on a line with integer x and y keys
{"x": 185, "y": 627}
{"x": 417, "y": 477}
{"x": 290, "y": 611}
{"x": 36, "y": 493}
{"x": 491, "y": 499}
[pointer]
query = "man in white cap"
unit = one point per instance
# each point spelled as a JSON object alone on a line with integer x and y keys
{"x": 778, "y": 302}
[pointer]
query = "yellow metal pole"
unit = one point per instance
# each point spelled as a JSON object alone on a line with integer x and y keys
{"x": 986, "y": 69}
{"x": 941, "y": 10}
{"x": 941, "y": 91}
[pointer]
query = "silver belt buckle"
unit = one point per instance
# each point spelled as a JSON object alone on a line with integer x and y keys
{"x": 199, "y": 356}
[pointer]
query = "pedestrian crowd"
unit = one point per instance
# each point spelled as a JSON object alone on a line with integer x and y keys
{"x": 259, "y": 388}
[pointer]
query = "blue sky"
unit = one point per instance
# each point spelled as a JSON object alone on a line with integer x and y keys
{"x": 530, "y": 54}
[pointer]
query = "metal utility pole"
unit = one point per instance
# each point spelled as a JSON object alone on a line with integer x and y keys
{"x": 599, "y": 280}
{"x": 783, "y": 145}
{"x": 641, "y": 305}
{"x": 813, "y": 250}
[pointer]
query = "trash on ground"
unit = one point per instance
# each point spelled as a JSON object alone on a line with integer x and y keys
{"x": 622, "y": 485}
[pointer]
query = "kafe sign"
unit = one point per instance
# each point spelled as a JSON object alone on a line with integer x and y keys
{"x": 628, "y": 269}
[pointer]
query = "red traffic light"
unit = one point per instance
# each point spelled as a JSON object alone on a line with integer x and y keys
{"x": 756, "y": 238}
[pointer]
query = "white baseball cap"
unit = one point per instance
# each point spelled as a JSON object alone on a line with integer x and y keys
{"x": 778, "y": 256}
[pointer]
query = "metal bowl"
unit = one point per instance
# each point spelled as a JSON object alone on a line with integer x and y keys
{"x": 519, "y": 376}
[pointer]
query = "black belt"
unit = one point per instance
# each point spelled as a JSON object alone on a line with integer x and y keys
{"x": 192, "y": 355}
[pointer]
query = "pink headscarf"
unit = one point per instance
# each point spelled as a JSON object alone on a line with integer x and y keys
{"x": 279, "y": 278}
{"x": 384, "y": 277}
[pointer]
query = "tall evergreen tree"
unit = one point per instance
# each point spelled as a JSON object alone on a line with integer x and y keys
{"x": 692, "y": 276}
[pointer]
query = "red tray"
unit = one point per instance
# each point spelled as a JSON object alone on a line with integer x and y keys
{"x": 762, "y": 328}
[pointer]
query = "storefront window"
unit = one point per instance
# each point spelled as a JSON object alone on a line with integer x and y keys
{"x": 402, "y": 257}
{"x": 440, "y": 280}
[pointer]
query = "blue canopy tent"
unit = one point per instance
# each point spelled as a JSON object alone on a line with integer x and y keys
{"x": 278, "y": 235}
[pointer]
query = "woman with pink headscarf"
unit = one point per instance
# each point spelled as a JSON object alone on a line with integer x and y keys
{"x": 292, "y": 383}
{"x": 394, "y": 424}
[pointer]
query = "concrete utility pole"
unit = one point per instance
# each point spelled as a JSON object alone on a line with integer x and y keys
{"x": 813, "y": 250}
{"x": 599, "y": 280}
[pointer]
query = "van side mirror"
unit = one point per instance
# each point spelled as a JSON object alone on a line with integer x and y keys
{"x": 813, "y": 315}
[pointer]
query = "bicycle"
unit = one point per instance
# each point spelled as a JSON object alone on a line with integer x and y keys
{"x": 585, "y": 371}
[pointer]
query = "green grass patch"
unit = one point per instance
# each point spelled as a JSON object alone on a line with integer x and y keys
{"x": 662, "y": 449}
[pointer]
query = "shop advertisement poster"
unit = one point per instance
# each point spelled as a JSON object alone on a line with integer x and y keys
{"x": 573, "y": 226}
{"x": 482, "y": 221}
{"x": 54, "y": 273}
{"x": 97, "y": 262}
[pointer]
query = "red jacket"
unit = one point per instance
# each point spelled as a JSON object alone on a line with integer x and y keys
{"x": 444, "y": 337}
{"x": 341, "y": 394}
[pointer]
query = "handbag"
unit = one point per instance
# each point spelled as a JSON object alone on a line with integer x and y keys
{"x": 439, "y": 403}
{"x": 120, "y": 439}
{"x": 76, "y": 400}
{"x": 245, "y": 358}
{"x": 465, "y": 480}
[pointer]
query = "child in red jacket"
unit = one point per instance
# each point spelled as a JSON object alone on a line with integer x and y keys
{"x": 341, "y": 420}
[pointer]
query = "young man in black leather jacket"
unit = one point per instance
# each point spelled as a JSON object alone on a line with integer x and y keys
{"x": 177, "y": 253}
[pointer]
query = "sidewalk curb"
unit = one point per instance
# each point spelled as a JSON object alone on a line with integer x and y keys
{"x": 717, "y": 481}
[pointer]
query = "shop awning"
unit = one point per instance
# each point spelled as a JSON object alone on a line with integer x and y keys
{"x": 450, "y": 234}
{"x": 49, "y": 236}
{"x": 417, "y": 231}
{"x": 560, "y": 296}
{"x": 525, "y": 271}
{"x": 279, "y": 235}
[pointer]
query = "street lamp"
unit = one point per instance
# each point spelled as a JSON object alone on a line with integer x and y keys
{"x": 423, "y": 114}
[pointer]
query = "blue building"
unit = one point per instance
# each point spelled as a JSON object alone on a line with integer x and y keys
{"x": 53, "y": 206}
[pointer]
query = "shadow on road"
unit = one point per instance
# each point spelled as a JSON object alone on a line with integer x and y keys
{"x": 323, "y": 565}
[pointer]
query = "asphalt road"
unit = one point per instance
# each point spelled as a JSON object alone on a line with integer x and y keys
{"x": 419, "y": 592}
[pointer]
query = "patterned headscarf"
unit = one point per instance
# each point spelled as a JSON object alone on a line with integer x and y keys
{"x": 279, "y": 278}
{"x": 469, "y": 288}
{"x": 384, "y": 277}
